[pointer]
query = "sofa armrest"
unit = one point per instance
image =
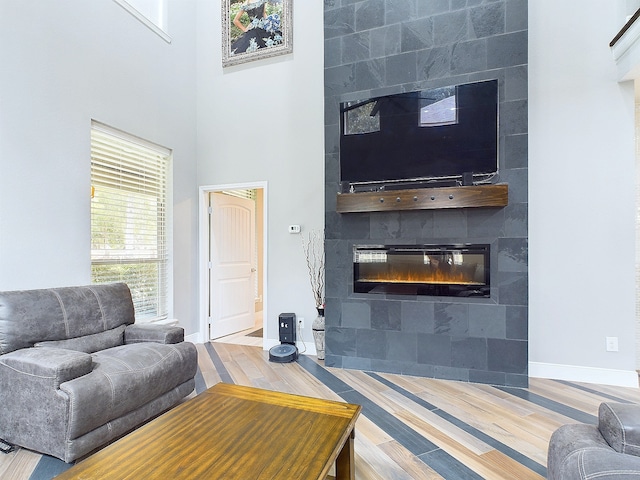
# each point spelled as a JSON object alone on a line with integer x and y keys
{"x": 578, "y": 451}
{"x": 49, "y": 365}
{"x": 619, "y": 424}
{"x": 138, "y": 333}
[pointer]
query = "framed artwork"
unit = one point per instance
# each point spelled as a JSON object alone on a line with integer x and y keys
{"x": 255, "y": 29}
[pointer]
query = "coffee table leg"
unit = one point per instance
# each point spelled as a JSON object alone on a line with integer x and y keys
{"x": 345, "y": 464}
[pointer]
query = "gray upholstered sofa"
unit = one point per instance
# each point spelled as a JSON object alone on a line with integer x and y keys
{"x": 610, "y": 450}
{"x": 76, "y": 372}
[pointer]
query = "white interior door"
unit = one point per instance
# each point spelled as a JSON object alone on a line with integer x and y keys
{"x": 232, "y": 261}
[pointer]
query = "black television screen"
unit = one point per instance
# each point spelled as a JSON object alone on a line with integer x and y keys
{"x": 439, "y": 133}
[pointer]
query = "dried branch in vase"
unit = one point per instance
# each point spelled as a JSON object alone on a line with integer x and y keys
{"x": 313, "y": 248}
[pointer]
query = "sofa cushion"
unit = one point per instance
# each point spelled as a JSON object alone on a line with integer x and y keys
{"x": 123, "y": 379}
{"x": 30, "y": 316}
{"x": 90, "y": 343}
{"x": 619, "y": 424}
{"x": 51, "y": 367}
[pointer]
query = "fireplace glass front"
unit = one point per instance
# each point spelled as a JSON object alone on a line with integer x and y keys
{"x": 435, "y": 270}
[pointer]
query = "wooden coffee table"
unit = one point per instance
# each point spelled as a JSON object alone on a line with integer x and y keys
{"x": 234, "y": 432}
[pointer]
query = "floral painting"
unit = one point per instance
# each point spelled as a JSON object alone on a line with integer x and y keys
{"x": 255, "y": 29}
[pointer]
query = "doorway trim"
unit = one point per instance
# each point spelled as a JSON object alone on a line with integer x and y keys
{"x": 203, "y": 251}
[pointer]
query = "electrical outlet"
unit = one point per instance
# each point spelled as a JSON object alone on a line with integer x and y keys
{"x": 612, "y": 344}
{"x": 301, "y": 323}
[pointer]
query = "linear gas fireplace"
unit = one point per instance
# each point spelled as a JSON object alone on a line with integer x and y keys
{"x": 435, "y": 270}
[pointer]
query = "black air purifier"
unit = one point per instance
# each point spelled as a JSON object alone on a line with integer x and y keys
{"x": 287, "y": 350}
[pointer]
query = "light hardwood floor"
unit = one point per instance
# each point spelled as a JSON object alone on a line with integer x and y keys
{"x": 410, "y": 427}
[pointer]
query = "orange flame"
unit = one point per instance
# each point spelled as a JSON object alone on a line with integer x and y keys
{"x": 439, "y": 276}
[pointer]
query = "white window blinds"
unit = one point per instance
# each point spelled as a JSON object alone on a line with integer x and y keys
{"x": 128, "y": 217}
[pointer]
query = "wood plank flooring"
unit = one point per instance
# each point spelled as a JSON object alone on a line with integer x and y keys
{"x": 410, "y": 427}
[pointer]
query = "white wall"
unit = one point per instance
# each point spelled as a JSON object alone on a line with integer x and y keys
{"x": 581, "y": 194}
{"x": 64, "y": 63}
{"x": 264, "y": 121}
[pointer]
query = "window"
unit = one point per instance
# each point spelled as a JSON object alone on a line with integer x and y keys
{"x": 129, "y": 217}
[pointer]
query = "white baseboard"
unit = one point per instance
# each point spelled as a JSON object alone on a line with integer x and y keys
{"x": 304, "y": 348}
{"x": 193, "y": 338}
{"x": 167, "y": 321}
{"x": 572, "y": 373}
{"x": 266, "y": 344}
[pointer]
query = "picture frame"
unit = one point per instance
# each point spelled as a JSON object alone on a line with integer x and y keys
{"x": 255, "y": 29}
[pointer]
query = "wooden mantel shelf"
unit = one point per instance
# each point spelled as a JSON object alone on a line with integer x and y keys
{"x": 424, "y": 198}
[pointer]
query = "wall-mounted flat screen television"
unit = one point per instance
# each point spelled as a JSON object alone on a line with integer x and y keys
{"x": 441, "y": 133}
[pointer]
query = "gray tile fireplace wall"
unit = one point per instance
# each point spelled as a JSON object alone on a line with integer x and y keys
{"x": 376, "y": 47}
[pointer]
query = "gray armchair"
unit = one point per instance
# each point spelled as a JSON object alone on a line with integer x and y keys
{"x": 76, "y": 372}
{"x": 610, "y": 450}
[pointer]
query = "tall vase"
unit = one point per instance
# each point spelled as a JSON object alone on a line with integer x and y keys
{"x": 318, "y": 333}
